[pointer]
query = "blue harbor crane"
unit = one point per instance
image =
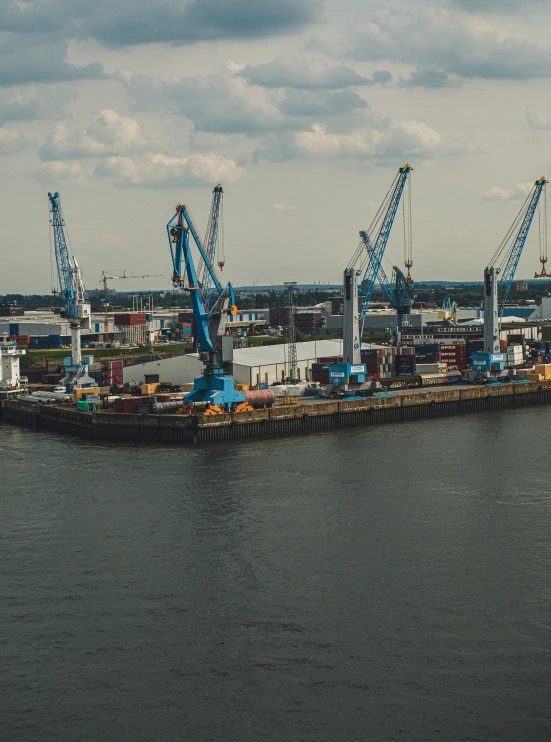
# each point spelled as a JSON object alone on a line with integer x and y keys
{"x": 214, "y": 243}
{"x": 360, "y": 276}
{"x": 215, "y": 388}
{"x": 504, "y": 263}
{"x": 73, "y": 295}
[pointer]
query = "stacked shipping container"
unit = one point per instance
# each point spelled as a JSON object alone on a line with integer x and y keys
{"x": 455, "y": 354}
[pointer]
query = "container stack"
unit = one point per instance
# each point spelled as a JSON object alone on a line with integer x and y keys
{"x": 455, "y": 354}
{"x": 380, "y": 362}
{"x": 515, "y": 355}
{"x": 113, "y": 372}
{"x": 405, "y": 361}
{"x": 320, "y": 372}
{"x": 427, "y": 353}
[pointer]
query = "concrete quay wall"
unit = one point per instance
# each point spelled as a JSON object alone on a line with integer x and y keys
{"x": 278, "y": 421}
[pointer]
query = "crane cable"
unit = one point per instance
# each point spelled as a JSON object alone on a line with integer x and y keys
{"x": 360, "y": 250}
{"x": 501, "y": 251}
{"x": 408, "y": 230}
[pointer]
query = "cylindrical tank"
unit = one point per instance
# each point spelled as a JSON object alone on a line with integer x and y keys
{"x": 160, "y": 407}
{"x": 260, "y": 398}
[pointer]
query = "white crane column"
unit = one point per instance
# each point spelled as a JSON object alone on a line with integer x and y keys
{"x": 350, "y": 320}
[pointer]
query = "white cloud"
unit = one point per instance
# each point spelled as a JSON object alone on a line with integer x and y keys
{"x": 402, "y": 139}
{"x": 519, "y": 192}
{"x": 162, "y": 171}
{"x": 537, "y": 118}
{"x": 61, "y": 173}
{"x": 282, "y": 208}
{"x": 11, "y": 141}
{"x": 107, "y": 134}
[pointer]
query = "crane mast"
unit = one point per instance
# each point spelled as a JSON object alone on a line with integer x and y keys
{"x": 215, "y": 387}
{"x": 73, "y": 296}
{"x": 505, "y": 262}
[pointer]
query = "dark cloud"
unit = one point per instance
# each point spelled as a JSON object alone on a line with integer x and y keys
{"x": 288, "y": 70}
{"x": 448, "y": 41}
{"x": 133, "y": 22}
{"x": 223, "y": 103}
{"x": 23, "y": 60}
{"x": 31, "y": 104}
{"x": 499, "y": 6}
{"x": 428, "y": 79}
{"x": 321, "y": 104}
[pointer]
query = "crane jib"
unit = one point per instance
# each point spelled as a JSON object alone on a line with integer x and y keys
{"x": 376, "y": 251}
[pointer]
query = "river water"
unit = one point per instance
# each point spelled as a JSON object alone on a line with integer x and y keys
{"x": 391, "y": 583}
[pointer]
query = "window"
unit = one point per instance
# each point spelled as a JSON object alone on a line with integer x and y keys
{"x": 256, "y": 316}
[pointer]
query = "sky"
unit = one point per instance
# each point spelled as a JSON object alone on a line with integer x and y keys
{"x": 302, "y": 109}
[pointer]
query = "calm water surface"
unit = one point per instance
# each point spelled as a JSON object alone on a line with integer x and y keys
{"x": 383, "y": 584}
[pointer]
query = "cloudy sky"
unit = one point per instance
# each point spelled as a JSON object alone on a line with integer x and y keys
{"x": 302, "y": 109}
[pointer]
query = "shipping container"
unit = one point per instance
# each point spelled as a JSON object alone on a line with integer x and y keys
{"x": 129, "y": 318}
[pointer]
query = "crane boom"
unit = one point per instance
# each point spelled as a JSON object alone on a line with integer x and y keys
{"x": 375, "y": 256}
{"x": 72, "y": 290}
{"x": 213, "y": 240}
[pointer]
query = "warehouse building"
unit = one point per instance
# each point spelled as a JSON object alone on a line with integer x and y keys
{"x": 267, "y": 364}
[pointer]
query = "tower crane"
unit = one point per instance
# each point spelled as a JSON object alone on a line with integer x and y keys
{"x": 215, "y": 387}
{"x": 360, "y": 276}
{"x": 73, "y": 296}
{"x": 214, "y": 241}
{"x": 449, "y": 311}
{"x": 504, "y": 261}
{"x": 367, "y": 262}
{"x": 111, "y": 276}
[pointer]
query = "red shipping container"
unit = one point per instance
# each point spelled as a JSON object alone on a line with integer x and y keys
{"x": 129, "y": 318}
{"x": 322, "y": 377}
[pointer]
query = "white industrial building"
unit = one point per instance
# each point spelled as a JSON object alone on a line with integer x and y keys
{"x": 265, "y": 364}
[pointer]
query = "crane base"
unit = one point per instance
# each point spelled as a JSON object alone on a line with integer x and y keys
{"x": 215, "y": 390}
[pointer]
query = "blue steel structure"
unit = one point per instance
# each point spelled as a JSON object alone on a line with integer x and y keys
{"x": 376, "y": 249}
{"x": 399, "y": 295}
{"x": 213, "y": 238}
{"x": 214, "y": 387}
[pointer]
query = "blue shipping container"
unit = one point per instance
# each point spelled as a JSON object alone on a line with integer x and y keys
{"x": 14, "y": 329}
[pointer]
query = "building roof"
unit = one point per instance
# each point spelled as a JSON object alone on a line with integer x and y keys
{"x": 267, "y": 355}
